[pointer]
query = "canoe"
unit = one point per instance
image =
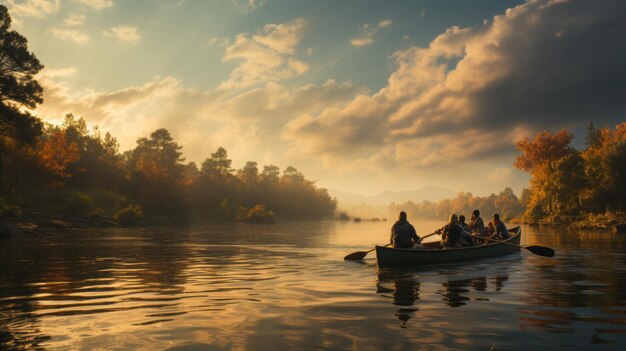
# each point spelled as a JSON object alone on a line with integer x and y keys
{"x": 391, "y": 257}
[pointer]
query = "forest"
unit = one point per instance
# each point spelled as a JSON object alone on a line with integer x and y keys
{"x": 569, "y": 185}
{"x": 73, "y": 171}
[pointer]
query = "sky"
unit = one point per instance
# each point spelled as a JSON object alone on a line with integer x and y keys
{"x": 360, "y": 96}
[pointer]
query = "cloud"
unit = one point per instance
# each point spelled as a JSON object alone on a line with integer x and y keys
{"x": 368, "y": 32}
{"x": 267, "y": 55}
{"x": 70, "y": 34}
{"x": 473, "y": 92}
{"x": 218, "y": 41}
{"x": 71, "y": 30}
{"x": 75, "y": 20}
{"x": 33, "y": 8}
{"x": 248, "y": 5}
{"x": 123, "y": 34}
{"x": 96, "y": 4}
{"x": 248, "y": 124}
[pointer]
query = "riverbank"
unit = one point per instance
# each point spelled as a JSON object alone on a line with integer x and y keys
{"x": 588, "y": 221}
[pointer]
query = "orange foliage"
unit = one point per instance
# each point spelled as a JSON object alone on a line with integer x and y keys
{"x": 544, "y": 149}
{"x": 56, "y": 153}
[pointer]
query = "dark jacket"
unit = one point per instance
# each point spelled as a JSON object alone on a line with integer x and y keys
{"x": 501, "y": 231}
{"x": 451, "y": 233}
{"x": 403, "y": 235}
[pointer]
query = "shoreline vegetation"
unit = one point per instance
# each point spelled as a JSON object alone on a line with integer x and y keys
{"x": 63, "y": 176}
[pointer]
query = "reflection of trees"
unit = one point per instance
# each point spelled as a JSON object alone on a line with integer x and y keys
{"x": 582, "y": 274}
{"x": 55, "y": 278}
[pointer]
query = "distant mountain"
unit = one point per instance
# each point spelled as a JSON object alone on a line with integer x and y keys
{"x": 430, "y": 193}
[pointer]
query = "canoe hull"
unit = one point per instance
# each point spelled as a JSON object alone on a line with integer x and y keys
{"x": 390, "y": 257}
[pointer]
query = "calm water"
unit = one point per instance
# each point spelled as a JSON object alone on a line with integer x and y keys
{"x": 286, "y": 286}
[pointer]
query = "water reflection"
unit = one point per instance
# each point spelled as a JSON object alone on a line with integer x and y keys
{"x": 404, "y": 292}
{"x": 403, "y": 287}
{"x": 287, "y": 287}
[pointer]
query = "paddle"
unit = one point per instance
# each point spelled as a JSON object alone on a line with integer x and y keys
{"x": 537, "y": 250}
{"x": 359, "y": 255}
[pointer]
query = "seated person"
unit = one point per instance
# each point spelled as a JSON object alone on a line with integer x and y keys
{"x": 466, "y": 237}
{"x": 403, "y": 234}
{"x": 476, "y": 224}
{"x": 451, "y": 233}
{"x": 500, "y": 230}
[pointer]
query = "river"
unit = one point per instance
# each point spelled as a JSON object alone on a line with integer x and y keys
{"x": 286, "y": 286}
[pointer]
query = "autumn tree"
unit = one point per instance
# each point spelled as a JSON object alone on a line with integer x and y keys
{"x": 540, "y": 157}
{"x": 156, "y": 172}
{"x": 19, "y": 91}
{"x": 605, "y": 168}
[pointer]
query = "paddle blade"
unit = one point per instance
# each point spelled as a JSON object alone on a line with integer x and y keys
{"x": 541, "y": 251}
{"x": 355, "y": 256}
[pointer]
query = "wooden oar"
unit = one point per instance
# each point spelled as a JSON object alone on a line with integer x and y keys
{"x": 359, "y": 255}
{"x": 537, "y": 250}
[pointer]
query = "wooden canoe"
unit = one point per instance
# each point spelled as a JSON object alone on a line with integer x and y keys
{"x": 391, "y": 257}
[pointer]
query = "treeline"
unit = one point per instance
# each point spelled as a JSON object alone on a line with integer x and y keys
{"x": 506, "y": 203}
{"x": 69, "y": 169}
{"x": 566, "y": 182}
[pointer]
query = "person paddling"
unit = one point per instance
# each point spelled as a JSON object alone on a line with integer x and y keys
{"x": 403, "y": 234}
{"x": 451, "y": 233}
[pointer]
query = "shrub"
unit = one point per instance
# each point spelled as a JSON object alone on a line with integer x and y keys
{"x": 9, "y": 210}
{"x": 129, "y": 215}
{"x": 78, "y": 204}
{"x": 257, "y": 214}
{"x": 343, "y": 216}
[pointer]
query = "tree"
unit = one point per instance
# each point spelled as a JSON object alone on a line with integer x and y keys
{"x": 539, "y": 158}
{"x": 569, "y": 181}
{"x": 18, "y": 88}
{"x": 249, "y": 175}
{"x": 219, "y": 165}
{"x": 593, "y": 136}
{"x": 270, "y": 175}
{"x": 157, "y": 173}
{"x": 605, "y": 168}
{"x": 18, "y": 91}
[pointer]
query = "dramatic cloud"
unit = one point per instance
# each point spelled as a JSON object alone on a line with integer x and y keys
{"x": 71, "y": 30}
{"x": 268, "y": 55}
{"x": 96, "y": 4}
{"x": 368, "y": 32}
{"x": 33, "y": 8}
{"x": 457, "y": 105}
{"x": 247, "y": 124}
{"x": 123, "y": 34}
{"x": 474, "y": 91}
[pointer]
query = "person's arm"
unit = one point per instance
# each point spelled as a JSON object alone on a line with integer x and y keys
{"x": 391, "y": 237}
{"x": 416, "y": 237}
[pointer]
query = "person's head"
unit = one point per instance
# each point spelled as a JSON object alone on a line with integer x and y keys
{"x": 476, "y": 213}
{"x": 402, "y": 216}
{"x": 462, "y": 219}
{"x": 496, "y": 216}
{"x": 454, "y": 218}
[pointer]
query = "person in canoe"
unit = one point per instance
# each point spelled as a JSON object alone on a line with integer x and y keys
{"x": 451, "y": 233}
{"x": 466, "y": 237}
{"x": 477, "y": 226}
{"x": 500, "y": 230}
{"x": 403, "y": 234}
